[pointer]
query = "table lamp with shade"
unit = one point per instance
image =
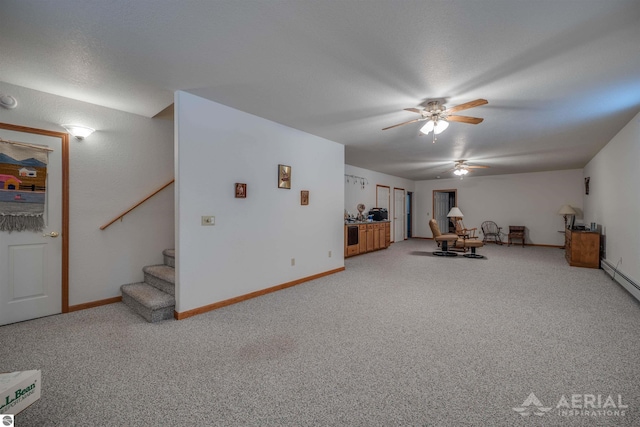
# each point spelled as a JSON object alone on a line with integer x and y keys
{"x": 455, "y": 214}
{"x": 565, "y": 211}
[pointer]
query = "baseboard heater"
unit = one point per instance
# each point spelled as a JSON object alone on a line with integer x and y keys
{"x": 624, "y": 281}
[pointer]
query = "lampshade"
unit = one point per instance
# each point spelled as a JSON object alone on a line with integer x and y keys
{"x": 440, "y": 126}
{"x": 455, "y": 212}
{"x": 80, "y": 132}
{"x": 566, "y": 210}
{"x": 428, "y": 127}
{"x": 461, "y": 171}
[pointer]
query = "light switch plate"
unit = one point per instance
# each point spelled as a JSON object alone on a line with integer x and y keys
{"x": 208, "y": 220}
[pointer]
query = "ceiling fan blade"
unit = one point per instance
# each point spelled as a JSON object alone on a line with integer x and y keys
{"x": 477, "y": 167}
{"x": 466, "y": 105}
{"x": 465, "y": 119}
{"x": 414, "y": 110}
{"x": 400, "y": 124}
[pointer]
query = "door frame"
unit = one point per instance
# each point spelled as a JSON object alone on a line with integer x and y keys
{"x": 64, "y": 139}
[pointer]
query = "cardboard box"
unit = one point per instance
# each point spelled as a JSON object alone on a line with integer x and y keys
{"x": 18, "y": 390}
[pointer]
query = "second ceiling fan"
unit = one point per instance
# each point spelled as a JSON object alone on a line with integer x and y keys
{"x": 438, "y": 116}
{"x": 461, "y": 167}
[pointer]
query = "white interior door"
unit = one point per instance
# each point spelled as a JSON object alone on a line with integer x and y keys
{"x": 30, "y": 263}
{"x": 398, "y": 214}
{"x": 440, "y": 210}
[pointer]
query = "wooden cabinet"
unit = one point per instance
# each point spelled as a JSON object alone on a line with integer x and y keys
{"x": 351, "y": 246}
{"x": 582, "y": 248}
{"x": 363, "y": 238}
{"x": 382, "y": 235}
{"x": 371, "y": 237}
{"x": 387, "y": 234}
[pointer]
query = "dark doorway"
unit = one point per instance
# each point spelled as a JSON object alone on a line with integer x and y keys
{"x": 408, "y": 210}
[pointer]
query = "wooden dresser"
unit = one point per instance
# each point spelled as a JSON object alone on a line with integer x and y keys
{"x": 582, "y": 248}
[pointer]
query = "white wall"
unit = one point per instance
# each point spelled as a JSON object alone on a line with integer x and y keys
{"x": 355, "y": 194}
{"x": 613, "y": 200}
{"x": 251, "y": 246}
{"x": 529, "y": 199}
{"x": 127, "y": 158}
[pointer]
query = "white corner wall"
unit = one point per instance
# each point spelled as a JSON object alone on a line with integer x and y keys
{"x": 613, "y": 202}
{"x": 529, "y": 199}
{"x": 251, "y": 245}
{"x": 128, "y": 157}
{"x": 354, "y": 194}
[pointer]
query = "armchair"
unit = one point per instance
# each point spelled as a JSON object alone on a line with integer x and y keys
{"x": 490, "y": 230}
{"x": 465, "y": 233}
{"x": 445, "y": 240}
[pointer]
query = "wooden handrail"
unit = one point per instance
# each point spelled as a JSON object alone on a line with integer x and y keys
{"x": 137, "y": 204}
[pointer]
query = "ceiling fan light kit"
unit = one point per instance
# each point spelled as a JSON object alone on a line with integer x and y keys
{"x": 461, "y": 168}
{"x": 438, "y": 116}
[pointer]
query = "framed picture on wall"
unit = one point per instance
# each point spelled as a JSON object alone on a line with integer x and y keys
{"x": 241, "y": 190}
{"x": 304, "y": 197}
{"x": 284, "y": 176}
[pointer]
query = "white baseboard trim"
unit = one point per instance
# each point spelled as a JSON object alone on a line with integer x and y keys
{"x": 626, "y": 282}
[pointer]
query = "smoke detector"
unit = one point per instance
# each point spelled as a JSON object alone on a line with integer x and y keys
{"x": 8, "y": 101}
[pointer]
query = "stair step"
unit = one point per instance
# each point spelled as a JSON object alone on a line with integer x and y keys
{"x": 162, "y": 277}
{"x": 169, "y": 257}
{"x": 148, "y": 301}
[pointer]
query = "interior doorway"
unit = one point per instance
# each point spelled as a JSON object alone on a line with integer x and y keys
{"x": 443, "y": 201}
{"x": 34, "y": 266}
{"x": 409, "y": 209}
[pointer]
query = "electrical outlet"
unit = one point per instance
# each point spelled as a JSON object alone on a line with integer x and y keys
{"x": 293, "y": 262}
{"x": 329, "y": 254}
{"x": 208, "y": 220}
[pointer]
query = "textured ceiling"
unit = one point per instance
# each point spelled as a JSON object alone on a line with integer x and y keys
{"x": 561, "y": 77}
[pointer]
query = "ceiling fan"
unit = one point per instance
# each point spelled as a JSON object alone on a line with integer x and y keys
{"x": 438, "y": 116}
{"x": 461, "y": 168}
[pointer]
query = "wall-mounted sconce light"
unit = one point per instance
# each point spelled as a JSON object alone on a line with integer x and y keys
{"x": 80, "y": 132}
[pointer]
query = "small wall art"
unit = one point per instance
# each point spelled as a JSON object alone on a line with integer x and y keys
{"x": 241, "y": 190}
{"x": 586, "y": 185}
{"x": 304, "y": 197}
{"x": 284, "y": 176}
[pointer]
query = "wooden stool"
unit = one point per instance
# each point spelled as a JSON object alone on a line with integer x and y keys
{"x": 473, "y": 244}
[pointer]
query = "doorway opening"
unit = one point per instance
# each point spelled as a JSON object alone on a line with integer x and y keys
{"x": 409, "y": 208}
{"x": 443, "y": 201}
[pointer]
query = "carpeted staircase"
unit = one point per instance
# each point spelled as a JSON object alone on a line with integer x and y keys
{"x": 154, "y": 299}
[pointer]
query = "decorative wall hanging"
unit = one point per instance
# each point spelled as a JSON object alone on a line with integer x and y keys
{"x": 284, "y": 176}
{"x": 586, "y": 185}
{"x": 304, "y": 197}
{"x": 23, "y": 179}
{"x": 241, "y": 190}
{"x": 363, "y": 182}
